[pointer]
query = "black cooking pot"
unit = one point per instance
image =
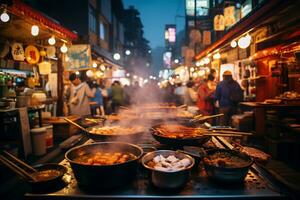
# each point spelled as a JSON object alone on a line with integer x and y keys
{"x": 102, "y": 177}
{"x": 227, "y": 174}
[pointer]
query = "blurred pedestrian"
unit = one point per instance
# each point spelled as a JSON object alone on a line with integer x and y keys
{"x": 117, "y": 96}
{"x": 205, "y": 98}
{"x": 228, "y": 95}
{"x": 79, "y": 96}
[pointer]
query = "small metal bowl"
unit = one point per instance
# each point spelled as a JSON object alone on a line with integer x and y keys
{"x": 168, "y": 180}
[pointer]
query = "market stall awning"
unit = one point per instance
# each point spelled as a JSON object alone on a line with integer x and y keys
{"x": 24, "y": 16}
{"x": 244, "y": 25}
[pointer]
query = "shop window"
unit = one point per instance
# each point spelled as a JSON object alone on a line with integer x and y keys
{"x": 202, "y": 7}
{"x": 102, "y": 31}
{"x": 92, "y": 20}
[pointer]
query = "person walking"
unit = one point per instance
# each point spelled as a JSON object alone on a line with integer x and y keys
{"x": 228, "y": 95}
{"x": 79, "y": 96}
{"x": 205, "y": 98}
{"x": 117, "y": 96}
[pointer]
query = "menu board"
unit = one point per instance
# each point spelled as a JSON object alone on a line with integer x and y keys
{"x": 78, "y": 57}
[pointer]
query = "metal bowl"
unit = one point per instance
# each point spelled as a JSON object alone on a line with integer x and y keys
{"x": 168, "y": 180}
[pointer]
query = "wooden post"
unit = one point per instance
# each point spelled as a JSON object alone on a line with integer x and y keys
{"x": 60, "y": 85}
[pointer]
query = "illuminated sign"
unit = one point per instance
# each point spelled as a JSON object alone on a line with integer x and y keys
{"x": 202, "y": 7}
{"x": 167, "y": 57}
{"x": 172, "y": 35}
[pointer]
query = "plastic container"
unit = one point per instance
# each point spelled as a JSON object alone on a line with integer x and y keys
{"x": 49, "y": 136}
{"x": 38, "y": 138}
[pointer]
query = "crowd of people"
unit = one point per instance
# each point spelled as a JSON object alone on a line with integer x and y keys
{"x": 209, "y": 95}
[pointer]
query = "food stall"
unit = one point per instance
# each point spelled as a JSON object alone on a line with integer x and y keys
{"x": 32, "y": 47}
{"x": 87, "y": 177}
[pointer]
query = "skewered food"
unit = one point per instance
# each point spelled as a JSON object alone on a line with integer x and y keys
{"x": 116, "y": 130}
{"x": 226, "y": 160}
{"x": 179, "y": 131}
{"x": 169, "y": 164}
{"x": 105, "y": 158}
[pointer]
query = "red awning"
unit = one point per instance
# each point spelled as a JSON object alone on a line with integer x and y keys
{"x": 20, "y": 9}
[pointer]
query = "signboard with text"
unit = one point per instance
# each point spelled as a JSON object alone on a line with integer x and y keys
{"x": 78, "y": 57}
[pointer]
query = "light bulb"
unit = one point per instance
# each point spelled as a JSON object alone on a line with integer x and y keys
{"x": 217, "y": 56}
{"x": 127, "y": 52}
{"x": 117, "y": 56}
{"x": 51, "y": 40}
{"x": 233, "y": 44}
{"x": 94, "y": 64}
{"x": 102, "y": 67}
{"x": 64, "y": 48}
{"x": 4, "y": 16}
{"x": 244, "y": 42}
{"x": 35, "y": 30}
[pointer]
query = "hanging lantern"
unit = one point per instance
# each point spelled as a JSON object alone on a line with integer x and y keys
{"x": 51, "y": 40}
{"x": 244, "y": 42}
{"x": 4, "y": 16}
{"x": 35, "y": 30}
{"x": 64, "y": 48}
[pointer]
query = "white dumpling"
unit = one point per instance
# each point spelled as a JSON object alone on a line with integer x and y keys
{"x": 172, "y": 159}
{"x": 156, "y": 159}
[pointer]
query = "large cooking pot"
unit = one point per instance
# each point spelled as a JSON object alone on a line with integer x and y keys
{"x": 102, "y": 177}
{"x": 226, "y": 173}
{"x": 197, "y": 141}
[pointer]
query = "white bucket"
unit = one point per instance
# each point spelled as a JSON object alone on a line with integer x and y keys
{"x": 38, "y": 138}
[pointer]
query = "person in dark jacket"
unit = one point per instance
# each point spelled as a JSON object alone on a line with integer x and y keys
{"x": 228, "y": 95}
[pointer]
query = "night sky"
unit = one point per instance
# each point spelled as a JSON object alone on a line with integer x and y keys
{"x": 155, "y": 14}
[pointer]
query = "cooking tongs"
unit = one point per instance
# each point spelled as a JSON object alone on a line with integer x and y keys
{"x": 17, "y": 166}
{"x": 200, "y": 117}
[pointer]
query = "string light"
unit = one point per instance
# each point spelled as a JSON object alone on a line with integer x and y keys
{"x": 64, "y": 48}
{"x": 4, "y": 16}
{"x": 35, "y": 30}
{"x": 217, "y": 56}
{"x": 233, "y": 44}
{"x": 102, "y": 67}
{"x": 94, "y": 64}
{"x": 52, "y": 40}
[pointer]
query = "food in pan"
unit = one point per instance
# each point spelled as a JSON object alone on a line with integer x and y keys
{"x": 226, "y": 160}
{"x": 258, "y": 155}
{"x": 45, "y": 175}
{"x": 169, "y": 164}
{"x": 178, "y": 131}
{"x": 105, "y": 158}
{"x": 116, "y": 130}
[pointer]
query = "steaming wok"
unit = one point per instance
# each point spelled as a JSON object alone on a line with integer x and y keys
{"x": 172, "y": 141}
{"x": 104, "y": 176}
{"x": 115, "y": 132}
